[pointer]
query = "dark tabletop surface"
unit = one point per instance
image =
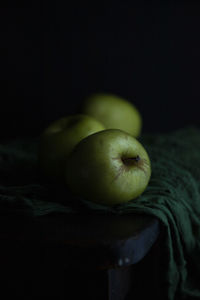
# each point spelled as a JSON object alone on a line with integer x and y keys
{"x": 102, "y": 240}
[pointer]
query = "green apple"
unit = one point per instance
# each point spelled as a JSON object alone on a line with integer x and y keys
{"x": 108, "y": 167}
{"x": 114, "y": 112}
{"x": 58, "y": 140}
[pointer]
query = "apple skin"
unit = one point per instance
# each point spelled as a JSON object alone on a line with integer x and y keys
{"x": 114, "y": 113}
{"x": 59, "y": 139}
{"x": 109, "y": 167}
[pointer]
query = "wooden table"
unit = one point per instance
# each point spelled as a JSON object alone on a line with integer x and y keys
{"x": 60, "y": 255}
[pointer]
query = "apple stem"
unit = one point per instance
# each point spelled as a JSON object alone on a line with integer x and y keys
{"x": 130, "y": 161}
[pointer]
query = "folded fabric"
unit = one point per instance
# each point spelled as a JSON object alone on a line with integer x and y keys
{"x": 172, "y": 196}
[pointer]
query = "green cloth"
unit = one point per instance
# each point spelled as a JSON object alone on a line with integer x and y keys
{"x": 173, "y": 196}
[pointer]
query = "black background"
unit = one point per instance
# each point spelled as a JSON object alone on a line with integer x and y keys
{"x": 54, "y": 54}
